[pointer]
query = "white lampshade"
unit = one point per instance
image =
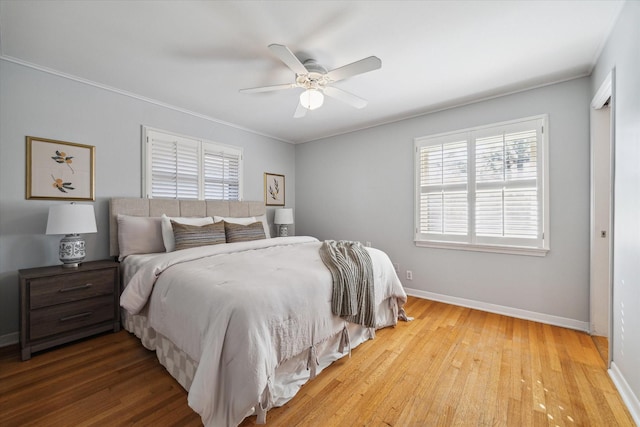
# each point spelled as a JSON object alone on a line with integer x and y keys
{"x": 71, "y": 219}
{"x": 284, "y": 216}
{"x": 311, "y": 99}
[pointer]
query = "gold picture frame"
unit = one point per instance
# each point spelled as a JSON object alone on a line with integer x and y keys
{"x": 273, "y": 189}
{"x": 59, "y": 170}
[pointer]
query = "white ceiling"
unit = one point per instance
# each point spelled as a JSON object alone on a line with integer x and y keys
{"x": 196, "y": 55}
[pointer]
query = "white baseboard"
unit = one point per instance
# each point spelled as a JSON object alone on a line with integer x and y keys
{"x": 501, "y": 309}
{"x": 9, "y": 339}
{"x": 629, "y": 398}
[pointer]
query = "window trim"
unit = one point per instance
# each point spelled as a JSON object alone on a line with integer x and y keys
{"x": 470, "y": 242}
{"x": 211, "y": 146}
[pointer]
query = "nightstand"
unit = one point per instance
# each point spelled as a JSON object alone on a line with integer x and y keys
{"x": 59, "y": 305}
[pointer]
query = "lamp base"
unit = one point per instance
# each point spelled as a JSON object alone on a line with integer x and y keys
{"x": 283, "y": 231}
{"x": 72, "y": 250}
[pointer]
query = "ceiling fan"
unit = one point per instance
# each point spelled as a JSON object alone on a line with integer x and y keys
{"x": 316, "y": 80}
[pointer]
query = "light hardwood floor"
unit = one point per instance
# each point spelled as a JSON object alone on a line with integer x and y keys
{"x": 450, "y": 366}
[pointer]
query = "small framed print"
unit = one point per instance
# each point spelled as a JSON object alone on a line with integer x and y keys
{"x": 273, "y": 189}
{"x": 58, "y": 170}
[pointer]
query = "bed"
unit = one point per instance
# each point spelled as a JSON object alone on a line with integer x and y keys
{"x": 244, "y": 323}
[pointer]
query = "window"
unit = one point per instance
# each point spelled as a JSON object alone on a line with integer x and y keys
{"x": 181, "y": 167}
{"x": 484, "y": 188}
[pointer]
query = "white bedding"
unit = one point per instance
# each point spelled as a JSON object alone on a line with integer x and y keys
{"x": 242, "y": 309}
{"x": 132, "y": 263}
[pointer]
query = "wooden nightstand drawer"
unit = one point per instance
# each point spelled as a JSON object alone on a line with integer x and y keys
{"x": 66, "y": 317}
{"x": 47, "y": 291}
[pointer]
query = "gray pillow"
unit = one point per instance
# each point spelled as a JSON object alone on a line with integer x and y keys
{"x": 191, "y": 236}
{"x": 243, "y": 233}
{"x": 167, "y": 231}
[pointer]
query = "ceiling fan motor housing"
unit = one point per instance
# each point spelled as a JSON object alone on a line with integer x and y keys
{"x": 315, "y": 78}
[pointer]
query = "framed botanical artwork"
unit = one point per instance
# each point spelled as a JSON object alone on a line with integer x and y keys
{"x": 58, "y": 170}
{"x": 273, "y": 189}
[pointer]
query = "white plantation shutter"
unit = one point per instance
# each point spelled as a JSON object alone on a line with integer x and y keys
{"x": 507, "y": 183}
{"x": 174, "y": 167}
{"x": 443, "y": 184}
{"x": 221, "y": 173}
{"x": 180, "y": 167}
{"x": 483, "y": 187}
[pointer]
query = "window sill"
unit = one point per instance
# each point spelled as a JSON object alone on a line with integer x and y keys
{"x": 512, "y": 250}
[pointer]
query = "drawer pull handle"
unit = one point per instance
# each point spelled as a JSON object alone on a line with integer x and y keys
{"x": 76, "y": 316}
{"x": 76, "y": 288}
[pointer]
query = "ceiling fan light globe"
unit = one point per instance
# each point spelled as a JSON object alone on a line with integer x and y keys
{"x": 311, "y": 99}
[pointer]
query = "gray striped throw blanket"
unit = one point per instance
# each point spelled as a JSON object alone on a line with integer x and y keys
{"x": 352, "y": 272}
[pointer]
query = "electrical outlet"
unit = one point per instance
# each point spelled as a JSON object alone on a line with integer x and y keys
{"x": 409, "y": 275}
{"x": 367, "y": 244}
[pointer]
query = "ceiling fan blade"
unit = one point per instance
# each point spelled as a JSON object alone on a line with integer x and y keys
{"x": 268, "y": 88}
{"x": 300, "y": 111}
{"x": 363, "y": 66}
{"x": 346, "y": 97}
{"x": 288, "y": 58}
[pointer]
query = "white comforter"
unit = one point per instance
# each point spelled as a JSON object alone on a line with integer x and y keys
{"x": 241, "y": 309}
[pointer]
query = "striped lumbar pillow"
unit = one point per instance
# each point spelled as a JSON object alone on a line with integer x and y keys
{"x": 243, "y": 233}
{"x": 191, "y": 236}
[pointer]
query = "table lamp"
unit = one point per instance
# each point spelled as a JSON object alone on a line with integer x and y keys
{"x": 283, "y": 218}
{"x": 71, "y": 220}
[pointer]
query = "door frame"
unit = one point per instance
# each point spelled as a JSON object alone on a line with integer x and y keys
{"x": 606, "y": 92}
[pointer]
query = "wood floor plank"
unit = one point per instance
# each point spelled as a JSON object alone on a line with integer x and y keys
{"x": 450, "y": 366}
{"x": 602, "y": 344}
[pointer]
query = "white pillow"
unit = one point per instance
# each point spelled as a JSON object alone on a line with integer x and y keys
{"x": 167, "y": 230}
{"x": 246, "y": 221}
{"x": 139, "y": 235}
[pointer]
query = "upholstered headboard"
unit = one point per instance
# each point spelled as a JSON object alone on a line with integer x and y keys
{"x": 175, "y": 208}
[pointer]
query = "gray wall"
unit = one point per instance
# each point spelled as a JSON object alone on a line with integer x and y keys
{"x": 40, "y": 104}
{"x": 622, "y": 51}
{"x": 360, "y": 186}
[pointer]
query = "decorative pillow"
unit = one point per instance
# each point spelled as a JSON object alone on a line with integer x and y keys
{"x": 139, "y": 235}
{"x": 167, "y": 230}
{"x": 243, "y": 233}
{"x": 265, "y": 225}
{"x": 246, "y": 221}
{"x": 191, "y": 236}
